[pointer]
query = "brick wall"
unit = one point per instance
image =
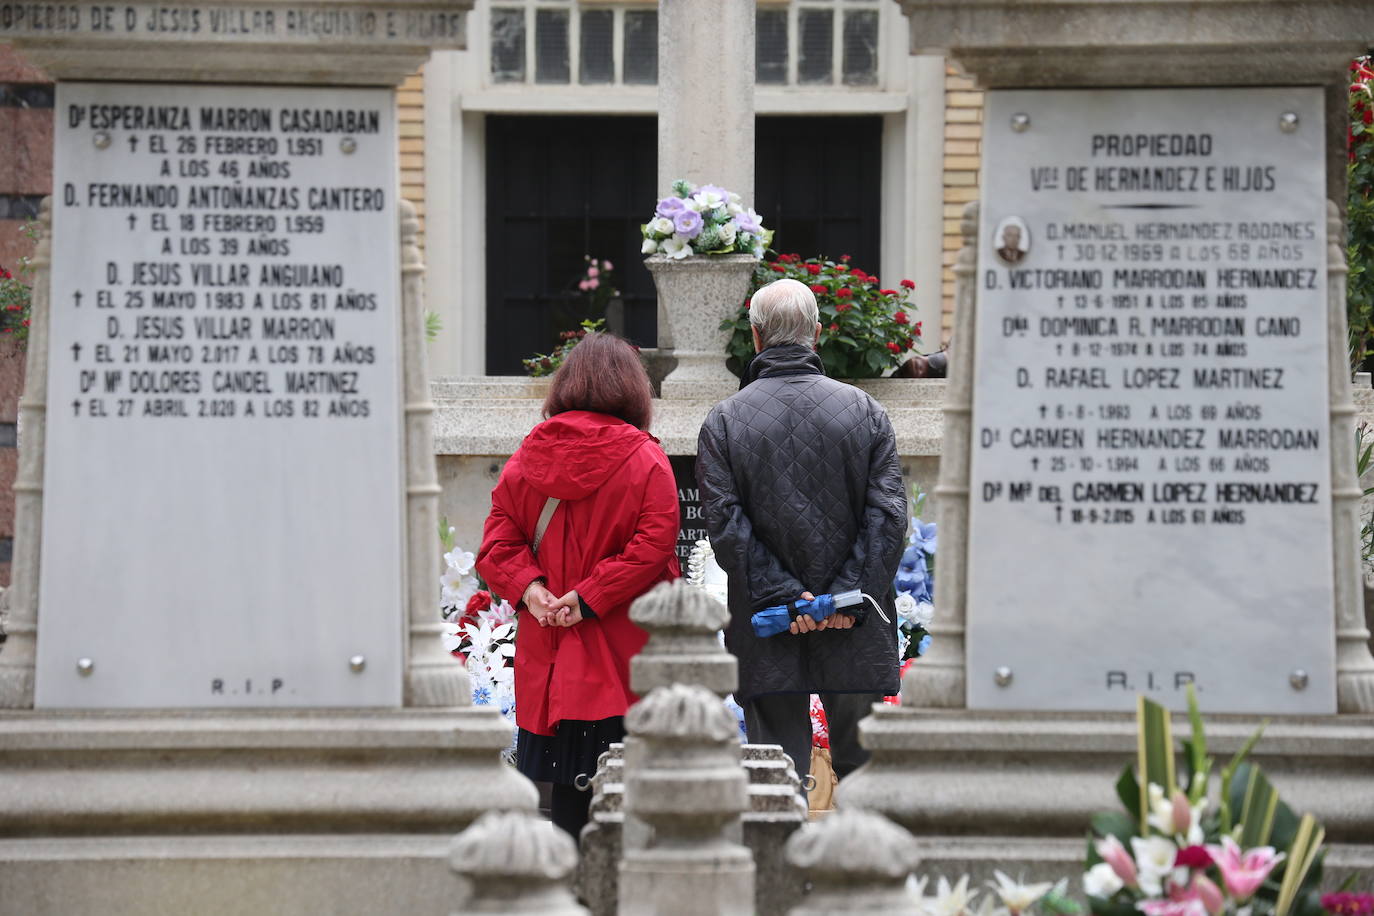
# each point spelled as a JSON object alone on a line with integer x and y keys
{"x": 963, "y": 152}
{"x": 410, "y": 112}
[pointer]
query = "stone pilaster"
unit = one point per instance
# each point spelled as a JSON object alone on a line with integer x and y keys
{"x": 683, "y": 778}
{"x": 938, "y": 678}
{"x": 19, "y": 653}
{"x": 1354, "y": 664}
{"x": 858, "y": 863}
{"x": 516, "y": 863}
{"x": 433, "y": 677}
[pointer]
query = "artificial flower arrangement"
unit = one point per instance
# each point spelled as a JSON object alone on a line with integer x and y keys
{"x": 703, "y": 220}
{"x": 479, "y": 630}
{"x": 866, "y": 328}
{"x": 1178, "y": 851}
{"x": 915, "y": 584}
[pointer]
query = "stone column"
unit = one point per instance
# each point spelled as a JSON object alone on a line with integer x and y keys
{"x": 21, "y": 599}
{"x": 938, "y": 678}
{"x": 683, "y": 778}
{"x": 516, "y": 863}
{"x": 858, "y": 863}
{"x": 1354, "y": 664}
{"x": 706, "y": 94}
{"x": 433, "y": 678}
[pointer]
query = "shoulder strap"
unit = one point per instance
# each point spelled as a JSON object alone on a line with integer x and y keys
{"x": 543, "y": 524}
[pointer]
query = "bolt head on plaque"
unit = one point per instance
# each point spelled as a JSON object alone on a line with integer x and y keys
{"x": 1288, "y": 122}
{"x": 348, "y": 145}
{"x": 101, "y": 139}
{"x": 1298, "y": 679}
{"x": 1020, "y": 122}
{"x": 357, "y": 663}
{"x": 85, "y": 666}
{"x": 1002, "y": 676}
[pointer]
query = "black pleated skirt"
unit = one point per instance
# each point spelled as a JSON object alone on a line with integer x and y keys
{"x": 570, "y": 751}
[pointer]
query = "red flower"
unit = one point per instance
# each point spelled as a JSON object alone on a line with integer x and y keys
{"x": 900, "y": 318}
{"x": 859, "y": 273}
{"x": 747, "y": 301}
{"x": 817, "y": 289}
{"x": 844, "y": 292}
{"x": 5, "y": 274}
{"x": 834, "y": 327}
{"x": 478, "y": 602}
{"x": 908, "y": 284}
{"x": 780, "y": 268}
{"x": 1369, "y": 116}
{"x": 844, "y": 257}
{"x": 893, "y": 347}
{"x": 1193, "y": 857}
{"x": 813, "y": 268}
{"x": 26, "y": 322}
{"x": 841, "y": 268}
{"x": 916, "y": 327}
{"x": 888, "y": 292}
{"x": 843, "y": 306}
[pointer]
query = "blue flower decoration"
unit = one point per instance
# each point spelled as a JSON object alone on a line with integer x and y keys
{"x": 923, "y": 536}
{"x": 923, "y": 646}
{"x": 481, "y": 696}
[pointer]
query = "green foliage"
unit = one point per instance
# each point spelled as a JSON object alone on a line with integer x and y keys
{"x": 16, "y": 296}
{"x": 1364, "y": 457}
{"x": 445, "y": 533}
{"x": 1360, "y": 211}
{"x": 541, "y": 364}
{"x": 866, "y": 330}
{"x": 433, "y": 325}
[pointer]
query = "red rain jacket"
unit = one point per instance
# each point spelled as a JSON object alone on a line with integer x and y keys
{"x": 612, "y": 539}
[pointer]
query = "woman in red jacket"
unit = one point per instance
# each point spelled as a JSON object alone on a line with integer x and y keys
{"x": 610, "y": 538}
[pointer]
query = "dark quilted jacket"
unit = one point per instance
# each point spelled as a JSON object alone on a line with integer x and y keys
{"x": 802, "y": 491}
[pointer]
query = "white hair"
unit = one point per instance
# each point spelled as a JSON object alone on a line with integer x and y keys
{"x": 784, "y": 312}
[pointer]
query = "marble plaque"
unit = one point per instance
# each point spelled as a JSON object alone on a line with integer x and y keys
{"x": 223, "y": 492}
{"x": 1150, "y": 481}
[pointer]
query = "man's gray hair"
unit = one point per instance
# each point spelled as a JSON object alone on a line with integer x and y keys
{"x": 784, "y": 312}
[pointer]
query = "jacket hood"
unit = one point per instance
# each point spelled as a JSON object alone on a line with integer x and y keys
{"x": 570, "y": 455}
{"x": 785, "y": 359}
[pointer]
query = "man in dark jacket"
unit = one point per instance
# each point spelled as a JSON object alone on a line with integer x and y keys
{"x": 803, "y": 495}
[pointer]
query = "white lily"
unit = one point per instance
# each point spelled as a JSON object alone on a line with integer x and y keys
{"x": 951, "y": 900}
{"x": 460, "y": 560}
{"x": 1016, "y": 896}
{"x": 1101, "y": 881}
{"x": 648, "y": 246}
{"x": 1154, "y": 858}
{"x": 676, "y": 247}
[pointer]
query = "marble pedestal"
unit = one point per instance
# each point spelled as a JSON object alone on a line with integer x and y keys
{"x": 240, "y": 814}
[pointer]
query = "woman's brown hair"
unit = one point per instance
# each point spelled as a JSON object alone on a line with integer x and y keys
{"x": 602, "y": 374}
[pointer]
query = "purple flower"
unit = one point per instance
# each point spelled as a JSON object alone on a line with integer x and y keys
{"x": 670, "y": 207}
{"x": 748, "y": 221}
{"x": 687, "y": 223}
